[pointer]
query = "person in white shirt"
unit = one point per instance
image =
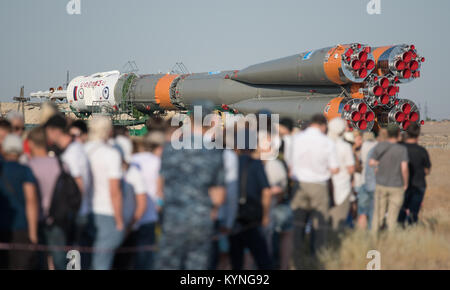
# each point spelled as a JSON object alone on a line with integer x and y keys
{"x": 285, "y": 130}
{"x": 342, "y": 182}
{"x": 148, "y": 159}
{"x": 134, "y": 199}
{"x": 133, "y": 185}
{"x": 314, "y": 160}
{"x": 107, "y": 203}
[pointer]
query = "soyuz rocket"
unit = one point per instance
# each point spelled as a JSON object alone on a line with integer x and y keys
{"x": 354, "y": 81}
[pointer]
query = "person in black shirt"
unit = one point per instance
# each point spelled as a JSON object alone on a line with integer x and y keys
{"x": 419, "y": 167}
{"x": 252, "y": 212}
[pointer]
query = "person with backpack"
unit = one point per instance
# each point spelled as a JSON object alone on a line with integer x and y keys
{"x": 253, "y": 212}
{"x": 390, "y": 161}
{"x": 73, "y": 155}
{"x": 56, "y": 219}
{"x": 19, "y": 207}
{"x": 281, "y": 216}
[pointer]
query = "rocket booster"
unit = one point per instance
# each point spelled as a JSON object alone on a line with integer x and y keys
{"x": 339, "y": 65}
{"x": 353, "y": 81}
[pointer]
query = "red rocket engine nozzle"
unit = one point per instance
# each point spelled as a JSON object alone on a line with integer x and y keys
{"x": 358, "y": 60}
{"x": 358, "y": 114}
{"x": 403, "y": 113}
{"x": 379, "y": 91}
{"x": 403, "y": 61}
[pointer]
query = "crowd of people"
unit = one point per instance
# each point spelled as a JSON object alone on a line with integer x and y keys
{"x": 139, "y": 203}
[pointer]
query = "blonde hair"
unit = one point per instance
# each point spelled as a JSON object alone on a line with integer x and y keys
{"x": 48, "y": 110}
{"x": 100, "y": 128}
{"x": 368, "y": 136}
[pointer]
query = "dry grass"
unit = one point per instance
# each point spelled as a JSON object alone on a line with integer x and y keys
{"x": 416, "y": 248}
{"x": 426, "y": 246}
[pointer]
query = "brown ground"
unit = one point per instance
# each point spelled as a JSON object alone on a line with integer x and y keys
{"x": 32, "y": 110}
{"x": 436, "y": 139}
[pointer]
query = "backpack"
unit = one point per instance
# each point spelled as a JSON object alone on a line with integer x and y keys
{"x": 66, "y": 201}
{"x": 250, "y": 210}
{"x": 290, "y": 185}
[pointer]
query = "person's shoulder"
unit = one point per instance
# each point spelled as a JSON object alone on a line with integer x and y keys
{"x": 298, "y": 135}
{"x": 141, "y": 157}
{"x": 415, "y": 146}
{"x": 344, "y": 145}
{"x": 329, "y": 143}
{"x": 400, "y": 146}
{"x": 108, "y": 151}
{"x": 380, "y": 145}
{"x": 421, "y": 148}
{"x": 418, "y": 148}
{"x": 133, "y": 171}
{"x": 76, "y": 147}
{"x": 257, "y": 163}
{"x": 275, "y": 165}
{"x": 94, "y": 146}
{"x": 17, "y": 167}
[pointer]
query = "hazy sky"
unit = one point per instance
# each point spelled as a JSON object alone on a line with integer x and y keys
{"x": 39, "y": 41}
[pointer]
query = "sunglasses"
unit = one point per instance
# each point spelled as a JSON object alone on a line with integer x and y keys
{"x": 17, "y": 128}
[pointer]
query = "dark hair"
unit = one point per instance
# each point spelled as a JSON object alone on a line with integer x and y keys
{"x": 393, "y": 131}
{"x": 288, "y": 123}
{"x": 318, "y": 119}
{"x": 5, "y": 124}
{"x": 156, "y": 123}
{"x": 413, "y": 131}
{"x": 57, "y": 121}
{"x": 120, "y": 131}
{"x": 37, "y": 136}
{"x": 80, "y": 124}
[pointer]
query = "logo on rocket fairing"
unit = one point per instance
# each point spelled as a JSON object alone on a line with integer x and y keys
{"x": 307, "y": 55}
{"x": 81, "y": 93}
{"x": 105, "y": 93}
